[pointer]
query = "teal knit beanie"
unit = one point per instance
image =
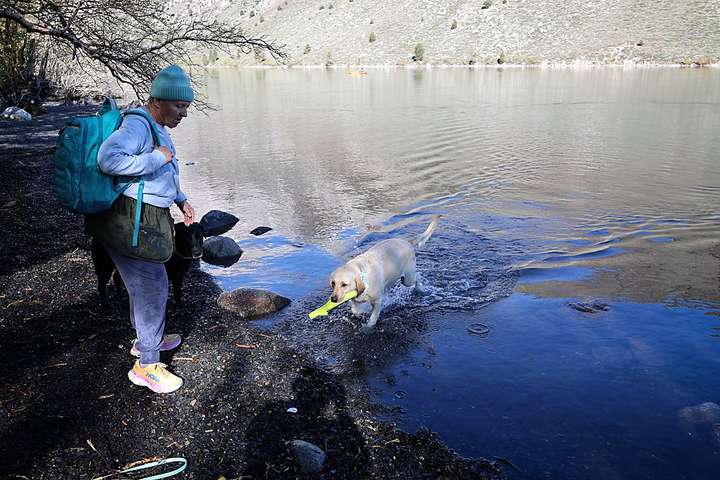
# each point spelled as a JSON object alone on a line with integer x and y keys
{"x": 172, "y": 83}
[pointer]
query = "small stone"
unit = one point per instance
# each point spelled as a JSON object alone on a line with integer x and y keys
{"x": 260, "y": 230}
{"x": 251, "y": 302}
{"x": 309, "y": 457}
{"x": 292, "y": 410}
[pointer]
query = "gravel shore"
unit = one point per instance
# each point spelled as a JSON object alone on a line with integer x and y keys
{"x": 69, "y": 411}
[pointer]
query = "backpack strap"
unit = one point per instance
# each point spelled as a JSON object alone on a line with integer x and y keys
{"x": 151, "y": 123}
{"x": 141, "y": 186}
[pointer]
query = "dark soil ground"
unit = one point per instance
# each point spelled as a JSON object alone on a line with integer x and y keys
{"x": 68, "y": 410}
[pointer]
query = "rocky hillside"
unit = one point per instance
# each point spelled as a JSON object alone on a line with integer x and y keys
{"x": 382, "y": 32}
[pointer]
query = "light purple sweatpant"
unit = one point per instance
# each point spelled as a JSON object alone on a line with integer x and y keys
{"x": 147, "y": 286}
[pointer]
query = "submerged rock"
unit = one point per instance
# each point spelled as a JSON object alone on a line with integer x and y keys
{"x": 252, "y": 302}
{"x": 308, "y": 456}
{"x": 589, "y": 307}
{"x": 221, "y": 251}
{"x": 708, "y": 412}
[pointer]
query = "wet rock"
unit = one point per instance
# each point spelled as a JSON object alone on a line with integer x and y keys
{"x": 251, "y": 302}
{"x": 708, "y": 412}
{"x": 310, "y": 458}
{"x": 216, "y": 222}
{"x": 222, "y": 251}
{"x": 589, "y": 307}
{"x": 260, "y": 230}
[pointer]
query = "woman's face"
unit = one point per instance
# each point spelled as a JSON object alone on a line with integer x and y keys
{"x": 171, "y": 112}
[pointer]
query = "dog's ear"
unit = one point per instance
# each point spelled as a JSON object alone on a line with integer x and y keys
{"x": 359, "y": 284}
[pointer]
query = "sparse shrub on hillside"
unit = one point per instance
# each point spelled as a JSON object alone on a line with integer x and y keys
{"x": 454, "y": 25}
{"x": 330, "y": 6}
{"x": 307, "y": 49}
{"x": 328, "y": 60}
{"x": 262, "y": 19}
{"x": 322, "y": 7}
{"x": 419, "y": 53}
{"x": 252, "y": 13}
{"x": 279, "y": 8}
{"x": 372, "y": 21}
{"x": 486, "y": 4}
{"x": 501, "y": 59}
{"x": 372, "y": 37}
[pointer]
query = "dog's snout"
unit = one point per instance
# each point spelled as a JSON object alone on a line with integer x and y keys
{"x": 334, "y": 298}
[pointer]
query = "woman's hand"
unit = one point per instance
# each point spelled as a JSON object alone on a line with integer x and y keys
{"x": 168, "y": 154}
{"x": 188, "y": 213}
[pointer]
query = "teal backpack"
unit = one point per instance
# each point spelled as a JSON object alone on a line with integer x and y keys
{"x": 79, "y": 183}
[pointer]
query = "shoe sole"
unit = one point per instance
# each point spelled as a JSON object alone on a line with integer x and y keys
{"x": 140, "y": 381}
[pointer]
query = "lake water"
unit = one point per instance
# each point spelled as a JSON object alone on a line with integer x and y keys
{"x": 556, "y": 186}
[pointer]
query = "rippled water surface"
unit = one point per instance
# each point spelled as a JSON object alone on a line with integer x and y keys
{"x": 556, "y": 186}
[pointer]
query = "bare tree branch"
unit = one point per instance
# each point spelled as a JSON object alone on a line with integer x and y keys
{"x": 129, "y": 39}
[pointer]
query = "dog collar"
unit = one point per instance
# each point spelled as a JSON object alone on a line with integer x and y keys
{"x": 187, "y": 258}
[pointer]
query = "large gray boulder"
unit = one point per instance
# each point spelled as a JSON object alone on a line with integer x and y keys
{"x": 309, "y": 457}
{"x": 251, "y": 302}
{"x": 221, "y": 251}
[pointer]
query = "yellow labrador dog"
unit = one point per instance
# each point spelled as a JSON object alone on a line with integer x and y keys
{"x": 372, "y": 273}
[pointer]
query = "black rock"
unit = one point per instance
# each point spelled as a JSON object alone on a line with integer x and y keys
{"x": 216, "y": 222}
{"x": 260, "y": 230}
{"x": 222, "y": 251}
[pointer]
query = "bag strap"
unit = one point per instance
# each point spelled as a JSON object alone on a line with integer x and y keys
{"x": 138, "y": 211}
{"x": 138, "y": 204}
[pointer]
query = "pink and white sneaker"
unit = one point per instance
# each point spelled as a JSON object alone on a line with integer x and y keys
{"x": 154, "y": 376}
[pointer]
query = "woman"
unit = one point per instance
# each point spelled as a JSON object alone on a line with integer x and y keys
{"x": 132, "y": 151}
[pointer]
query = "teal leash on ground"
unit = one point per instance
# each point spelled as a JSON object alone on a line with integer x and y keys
{"x": 157, "y": 463}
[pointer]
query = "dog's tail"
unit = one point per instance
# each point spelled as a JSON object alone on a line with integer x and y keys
{"x": 421, "y": 239}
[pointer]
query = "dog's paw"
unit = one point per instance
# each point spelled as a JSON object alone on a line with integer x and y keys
{"x": 367, "y": 329}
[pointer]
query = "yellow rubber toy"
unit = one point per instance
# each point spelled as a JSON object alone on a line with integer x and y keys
{"x": 330, "y": 305}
